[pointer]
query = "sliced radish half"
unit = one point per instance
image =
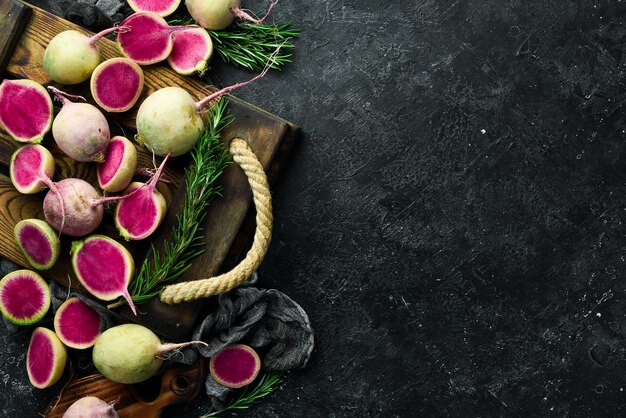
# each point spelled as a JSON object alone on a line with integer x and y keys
{"x": 45, "y": 359}
{"x": 25, "y": 110}
{"x": 24, "y": 297}
{"x": 38, "y": 241}
{"x": 77, "y": 324}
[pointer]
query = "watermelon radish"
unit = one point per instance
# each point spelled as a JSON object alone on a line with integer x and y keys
{"x": 83, "y": 207}
{"x": 119, "y": 165}
{"x": 219, "y": 14}
{"x": 104, "y": 267}
{"x": 169, "y": 121}
{"x": 116, "y": 84}
{"x": 38, "y": 242}
{"x": 45, "y": 359}
{"x": 138, "y": 216}
{"x": 191, "y": 52}
{"x": 31, "y": 169}
{"x": 235, "y": 366}
{"x": 25, "y": 110}
{"x": 159, "y": 7}
{"x": 24, "y": 297}
{"x": 77, "y": 324}
{"x": 90, "y": 407}
{"x": 71, "y": 56}
{"x": 149, "y": 39}
{"x": 80, "y": 129}
{"x": 131, "y": 353}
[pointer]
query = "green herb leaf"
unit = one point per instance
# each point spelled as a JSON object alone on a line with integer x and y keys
{"x": 268, "y": 383}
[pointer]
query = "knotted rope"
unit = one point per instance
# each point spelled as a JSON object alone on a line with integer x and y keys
{"x": 188, "y": 291}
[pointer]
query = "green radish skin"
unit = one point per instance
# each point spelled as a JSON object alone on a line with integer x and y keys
{"x": 191, "y": 52}
{"x": 24, "y": 297}
{"x": 126, "y": 169}
{"x": 169, "y": 121}
{"x": 41, "y": 172}
{"x": 45, "y": 231}
{"x": 71, "y": 56}
{"x": 52, "y": 349}
{"x": 131, "y": 353}
{"x": 219, "y": 14}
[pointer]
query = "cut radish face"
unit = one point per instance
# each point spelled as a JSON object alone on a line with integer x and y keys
{"x": 77, "y": 324}
{"x": 31, "y": 168}
{"x": 119, "y": 165}
{"x": 138, "y": 216}
{"x": 45, "y": 359}
{"x": 38, "y": 242}
{"x": 159, "y": 7}
{"x": 149, "y": 39}
{"x": 191, "y": 52}
{"x": 80, "y": 129}
{"x": 235, "y": 366}
{"x": 104, "y": 267}
{"x": 25, "y": 110}
{"x": 24, "y": 297}
{"x": 116, "y": 84}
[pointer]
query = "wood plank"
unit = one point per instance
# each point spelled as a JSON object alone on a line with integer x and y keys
{"x": 14, "y": 17}
{"x": 265, "y": 133}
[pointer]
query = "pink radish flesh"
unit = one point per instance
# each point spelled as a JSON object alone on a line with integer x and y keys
{"x": 45, "y": 359}
{"x": 31, "y": 168}
{"x": 191, "y": 51}
{"x": 160, "y": 7}
{"x": 112, "y": 163}
{"x": 235, "y": 366}
{"x": 25, "y": 110}
{"x": 116, "y": 84}
{"x": 119, "y": 165}
{"x": 104, "y": 267}
{"x": 77, "y": 324}
{"x": 138, "y": 216}
{"x": 149, "y": 39}
{"x": 36, "y": 244}
{"x": 24, "y": 297}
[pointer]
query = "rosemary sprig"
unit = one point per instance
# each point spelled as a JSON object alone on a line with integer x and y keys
{"x": 210, "y": 158}
{"x": 268, "y": 383}
{"x": 252, "y": 45}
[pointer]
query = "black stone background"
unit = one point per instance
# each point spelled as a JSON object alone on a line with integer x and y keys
{"x": 454, "y": 217}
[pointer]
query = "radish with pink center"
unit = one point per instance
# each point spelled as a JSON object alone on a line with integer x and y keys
{"x": 219, "y": 14}
{"x": 119, "y": 166}
{"x": 45, "y": 359}
{"x": 31, "y": 169}
{"x": 80, "y": 129}
{"x": 77, "y": 324}
{"x": 25, "y": 110}
{"x": 149, "y": 40}
{"x": 104, "y": 267}
{"x": 39, "y": 243}
{"x": 116, "y": 84}
{"x": 235, "y": 366}
{"x": 170, "y": 121}
{"x": 161, "y": 8}
{"x": 24, "y": 297}
{"x": 138, "y": 216}
{"x": 71, "y": 56}
{"x": 83, "y": 207}
{"x": 191, "y": 52}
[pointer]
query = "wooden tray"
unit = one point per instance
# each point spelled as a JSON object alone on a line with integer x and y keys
{"x": 224, "y": 230}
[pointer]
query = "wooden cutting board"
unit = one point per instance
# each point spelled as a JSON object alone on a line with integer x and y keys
{"x": 225, "y": 230}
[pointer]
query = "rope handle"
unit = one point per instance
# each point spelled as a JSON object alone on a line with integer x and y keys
{"x": 188, "y": 291}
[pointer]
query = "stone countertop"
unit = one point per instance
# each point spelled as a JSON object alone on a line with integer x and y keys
{"x": 454, "y": 217}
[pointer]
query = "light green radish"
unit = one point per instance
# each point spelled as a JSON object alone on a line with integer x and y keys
{"x": 131, "y": 353}
{"x": 71, "y": 56}
{"x": 219, "y": 14}
{"x": 170, "y": 121}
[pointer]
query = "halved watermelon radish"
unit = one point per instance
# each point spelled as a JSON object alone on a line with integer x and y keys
{"x": 139, "y": 215}
{"x": 116, "y": 84}
{"x": 119, "y": 165}
{"x": 191, "y": 52}
{"x": 38, "y": 242}
{"x": 45, "y": 359}
{"x": 31, "y": 169}
{"x": 235, "y": 366}
{"x": 77, "y": 324}
{"x": 149, "y": 39}
{"x": 25, "y": 110}
{"x": 24, "y": 297}
{"x": 104, "y": 267}
{"x": 159, "y": 7}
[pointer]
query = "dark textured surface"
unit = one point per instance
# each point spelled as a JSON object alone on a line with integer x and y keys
{"x": 453, "y": 220}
